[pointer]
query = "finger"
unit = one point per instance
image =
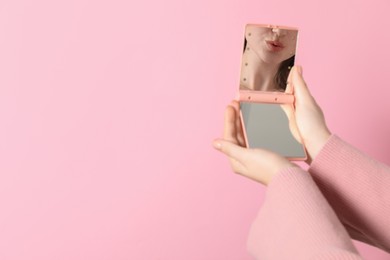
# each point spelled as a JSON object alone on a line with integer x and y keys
{"x": 288, "y": 109}
{"x": 289, "y": 88}
{"x": 230, "y": 127}
{"x": 239, "y": 129}
{"x": 236, "y": 105}
{"x": 240, "y": 136}
{"x": 236, "y": 165}
{"x": 301, "y": 90}
{"x": 232, "y": 150}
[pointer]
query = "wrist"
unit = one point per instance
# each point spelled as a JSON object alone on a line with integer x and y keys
{"x": 280, "y": 167}
{"x": 314, "y": 146}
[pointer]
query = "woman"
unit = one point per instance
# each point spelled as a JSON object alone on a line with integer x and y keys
{"x": 314, "y": 214}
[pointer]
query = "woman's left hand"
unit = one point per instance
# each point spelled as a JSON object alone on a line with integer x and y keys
{"x": 257, "y": 164}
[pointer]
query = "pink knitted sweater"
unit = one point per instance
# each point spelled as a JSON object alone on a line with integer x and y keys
{"x": 314, "y": 215}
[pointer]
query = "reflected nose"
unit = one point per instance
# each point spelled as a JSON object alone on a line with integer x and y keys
{"x": 279, "y": 32}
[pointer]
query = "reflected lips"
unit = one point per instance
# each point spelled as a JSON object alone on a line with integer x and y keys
{"x": 275, "y": 45}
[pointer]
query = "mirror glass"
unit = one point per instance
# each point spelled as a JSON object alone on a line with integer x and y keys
{"x": 268, "y": 56}
{"x": 267, "y": 126}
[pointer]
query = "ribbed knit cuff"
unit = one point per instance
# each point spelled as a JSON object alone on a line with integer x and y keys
{"x": 296, "y": 222}
{"x": 334, "y": 155}
{"x": 357, "y": 188}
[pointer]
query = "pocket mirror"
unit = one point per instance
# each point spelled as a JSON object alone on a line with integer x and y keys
{"x": 266, "y": 103}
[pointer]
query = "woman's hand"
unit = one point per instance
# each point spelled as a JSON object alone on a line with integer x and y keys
{"x": 308, "y": 115}
{"x": 261, "y": 165}
{"x": 257, "y": 164}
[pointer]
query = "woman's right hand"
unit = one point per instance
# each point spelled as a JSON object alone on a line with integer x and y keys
{"x": 309, "y": 117}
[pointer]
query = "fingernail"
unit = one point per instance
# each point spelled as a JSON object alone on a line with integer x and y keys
{"x": 217, "y": 145}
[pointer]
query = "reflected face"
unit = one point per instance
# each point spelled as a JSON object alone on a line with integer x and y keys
{"x": 272, "y": 45}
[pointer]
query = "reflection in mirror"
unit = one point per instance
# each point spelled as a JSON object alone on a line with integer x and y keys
{"x": 269, "y": 53}
{"x": 267, "y": 126}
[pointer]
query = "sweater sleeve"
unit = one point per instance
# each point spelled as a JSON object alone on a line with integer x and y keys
{"x": 296, "y": 222}
{"x": 357, "y": 188}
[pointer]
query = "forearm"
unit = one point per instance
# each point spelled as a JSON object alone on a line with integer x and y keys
{"x": 357, "y": 188}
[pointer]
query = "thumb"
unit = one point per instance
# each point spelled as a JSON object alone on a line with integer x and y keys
{"x": 230, "y": 149}
{"x": 301, "y": 90}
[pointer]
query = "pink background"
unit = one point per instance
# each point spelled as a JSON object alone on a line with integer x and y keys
{"x": 108, "y": 109}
